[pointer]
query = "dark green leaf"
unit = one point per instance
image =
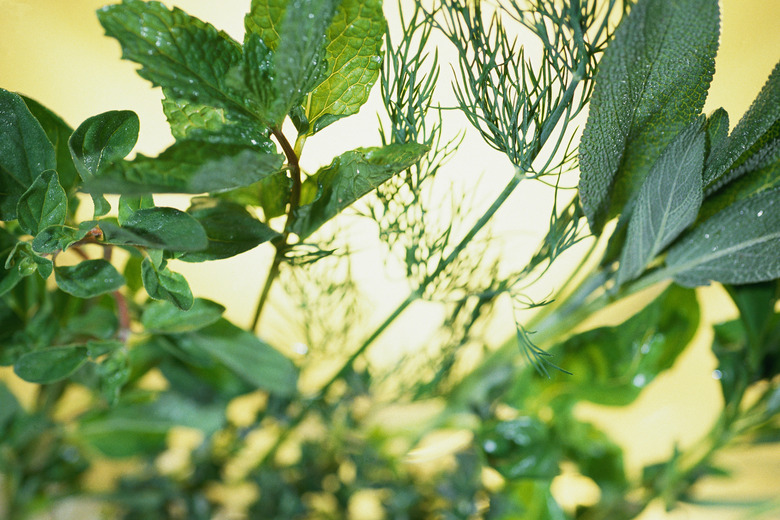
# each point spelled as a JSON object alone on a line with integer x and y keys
{"x": 274, "y": 194}
{"x": 96, "y": 321}
{"x": 611, "y": 365}
{"x": 717, "y": 133}
{"x": 247, "y": 356}
{"x": 737, "y": 245}
{"x": 130, "y": 204}
{"x": 89, "y": 278}
{"x": 58, "y": 132}
{"x": 164, "y": 317}
{"x": 652, "y": 81}
{"x": 9, "y": 406}
{"x": 161, "y": 228}
{"x": 667, "y": 203}
{"x": 44, "y": 204}
{"x": 103, "y": 139}
{"x": 230, "y": 229}
{"x": 187, "y": 56}
{"x": 756, "y": 304}
{"x": 27, "y": 262}
{"x": 350, "y": 176}
{"x": 758, "y": 126}
{"x": 729, "y": 346}
{"x": 51, "y": 364}
{"x": 57, "y": 238}
{"x": 353, "y": 62}
{"x": 187, "y": 167}
{"x": 141, "y": 428}
{"x": 25, "y": 152}
{"x": 164, "y": 284}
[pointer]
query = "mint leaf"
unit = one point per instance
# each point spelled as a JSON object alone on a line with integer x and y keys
{"x": 187, "y": 167}
{"x": 243, "y": 353}
{"x": 165, "y": 317}
{"x": 230, "y": 229}
{"x": 164, "y": 284}
{"x": 759, "y": 125}
{"x": 25, "y": 152}
{"x": 737, "y": 245}
{"x": 667, "y": 203}
{"x": 44, "y": 204}
{"x": 51, "y": 364}
{"x": 265, "y": 19}
{"x": 353, "y": 63}
{"x": 177, "y": 51}
{"x": 651, "y": 83}
{"x": 89, "y": 278}
{"x": 350, "y": 176}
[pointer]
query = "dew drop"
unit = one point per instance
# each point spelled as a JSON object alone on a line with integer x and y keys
{"x": 706, "y": 235}
{"x": 639, "y": 380}
{"x": 760, "y": 213}
{"x": 717, "y": 374}
{"x": 490, "y": 446}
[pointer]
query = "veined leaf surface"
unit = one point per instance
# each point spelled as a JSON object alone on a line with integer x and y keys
{"x": 44, "y": 204}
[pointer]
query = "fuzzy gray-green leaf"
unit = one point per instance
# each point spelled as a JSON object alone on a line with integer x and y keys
{"x": 737, "y": 245}
{"x": 44, "y": 204}
{"x": 652, "y": 81}
{"x": 25, "y": 152}
{"x": 667, "y": 203}
{"x": 349, "y": 177}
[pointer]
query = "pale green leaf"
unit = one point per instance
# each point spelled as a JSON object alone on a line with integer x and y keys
{"x": 349, "y": 177}
{"x": 25, "y": 152}
{"x": 89, "y": 278}
{"x": 651, "y": 83}
{"x": 353, "y": 63}
{"x": 667, "y": 203}
{"x": 44, "y": 204}
{"x": 164, "y": 284}
{"x": 265, "y": 19}
{"x": 737, "y": 245}
{"x": 165, "y": 317}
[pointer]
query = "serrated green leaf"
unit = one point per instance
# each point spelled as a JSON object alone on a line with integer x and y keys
{"x": 195, "y": 122}
{"x": 25, "y": 152}
{"x": 611, "y": 365}
{"x": 759, "y": 125}
{"x": 737, "y": 245}
{"x": 164, "y": 317}
{"x": 667, "y": 203}
{"x": 51, "y": 364}
{"x": 187, "y": 167}
{"x": 271, "y": 193}
{"x": 353, "y": 63}
{"x": 129, "y": 204}
{"x": 164, "y": 228}
{"x": 651, "y": 83}
{"x": 187, "y": 56}
{"x": 247, "y": 356}
{"x": 58, "y": 132}
{"x": 349, "y": 177}
{"x": 164, "y": 284}
{"x": 57, "y": 238}
{"x": 230, "y": 229}
{"x": 44, "y": 204}
{"x": 265, "y": 19}
{"x": 89, "y": 278}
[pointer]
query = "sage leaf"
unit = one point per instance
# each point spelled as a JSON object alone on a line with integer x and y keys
{"x": 667, "y": 203}
{"x": 349, "y": 177}
{"x": 717, "y": 133}
{"x": 89, "y": 278}
{"x": 737, "y": 245}
{"x": 611, "y": 365}
{"x": 161, "y": 228}
{"x": 759, "y": 125}
{"x": 58, "y": 132}
{"x": 25, "y": 152}
{"x": 651, "y": 83}
{"x": 165, "y": 317}
{"x": 187, "y": 167}
{"x": 353, "y": 63}
{"x": 230, "y": 230}
{"x": 187, "y": 56}
{"x": 44, "y": 204}
{"x": 247, "y": 356}
{"x": 164, "y": 284}
{"x": 51, "y": 364}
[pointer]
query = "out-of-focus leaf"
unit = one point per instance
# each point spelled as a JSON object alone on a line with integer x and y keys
{"x": 9, "y": 406}
{"x": 729, "y": 346}
{"x": 737, "y": 245}
{"x": 246, "y": 355}
{"x": 25, "y": 152}
{"x": 27, "y": 262}
{"x": 165, "y": 317}
{"x": 667, "y": 203}
{"x": 349, "y": 177}
{"x": 611, "y": 365}
{"x": 230, "y": 230}
{"x": 164, "y": 284}
{"x": 521, "y": 448}
{"x": 44, "y": 204}
{"x": 652, "y": 82}
{"x": 50, "y": 364}
{"x": 89, "y": 278}
{"x": 187, "y": 167}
